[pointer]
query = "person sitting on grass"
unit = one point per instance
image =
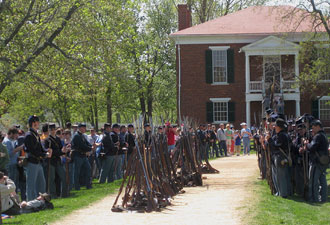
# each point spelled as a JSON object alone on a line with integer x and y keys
{"x": 42, "y": 202}
{"x": 7, "y": 190}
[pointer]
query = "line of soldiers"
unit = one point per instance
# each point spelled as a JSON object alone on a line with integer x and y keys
{"x": 293, "y": 156}
{"x": 56, "y": 164}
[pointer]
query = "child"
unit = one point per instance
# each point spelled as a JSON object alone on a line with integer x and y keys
{"x": 237, "y": 138}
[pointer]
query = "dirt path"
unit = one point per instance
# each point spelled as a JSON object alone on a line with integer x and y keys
{"x": 219, "y": 201}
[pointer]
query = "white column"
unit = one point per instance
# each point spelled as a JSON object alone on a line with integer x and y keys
{"x": 296, "y": 68}
{"x": 297, "y": 108}
{"x": 247, "y": 73}
{"x": 248, "y": 114}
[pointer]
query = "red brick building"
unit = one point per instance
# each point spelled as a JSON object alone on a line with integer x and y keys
{"x": 226, "y": 66}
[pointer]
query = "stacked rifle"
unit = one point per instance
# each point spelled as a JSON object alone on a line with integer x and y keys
{"x": 153, "y": 176}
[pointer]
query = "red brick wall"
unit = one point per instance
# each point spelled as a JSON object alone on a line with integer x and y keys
{"x": 195, "y": 92}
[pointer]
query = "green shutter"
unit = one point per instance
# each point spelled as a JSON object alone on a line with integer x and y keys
{"x": 208, "y": 66}
{"x": 315, "y": 109}
{"x": 209, "y": 112}
{"x": 231, "y": 111}
{"x": 230, "y": 66}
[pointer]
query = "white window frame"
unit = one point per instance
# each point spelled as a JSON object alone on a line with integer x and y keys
{"x": 324, "y": 98}
{"x": 318, "y": 46}
{"x": 220, "y": 100}
{"x": 219, "y": 48}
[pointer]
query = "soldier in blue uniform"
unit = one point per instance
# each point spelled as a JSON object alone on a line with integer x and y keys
{"x": 80, "y": 147}
{"x": 298, "y": 159}
{"x": 107, "y": 156}
{"x": 280, "y": 148}
{"x": 55, "y": 166}
{"x": 36, "y": 153}
{"x": 319, "y": 162}
{"x": 117, "y": 150}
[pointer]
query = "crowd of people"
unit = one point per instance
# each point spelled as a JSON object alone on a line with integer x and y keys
{"x": 56, "y": 160}
{"x": 294, "y": 156}
{"x": 48, "y": 164}
{"x": 224, "y": 141}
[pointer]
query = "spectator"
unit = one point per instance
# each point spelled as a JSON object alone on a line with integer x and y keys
{"x": 170, "y": 133}
{"x": 7, "y": 189}
{"x": 13, "y": 152}
{"x": 237, "y": 138}
{"x": 4, "y": 156}
{"x": 93, "y": 161}
{"x": 222, "y": 139}
{"x": 229, "y": 137}
{"x": 21, "y": 165}
{"x": 246, "y": 135}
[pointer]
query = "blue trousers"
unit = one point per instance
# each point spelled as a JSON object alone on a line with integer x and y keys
{"x": 317, "y": 187}
{"x": 119, "y": 169}
{"x": 246, "y": 145}
{"x": 223, "y": 147}
{"x": 107, "y": 169}
{"x": 59, "y": 169}
{"x": 81, "y": 166}
{"x": 13, "y": 174}
{"x": 35, "y": 181}
{"x": 284, "y": 181}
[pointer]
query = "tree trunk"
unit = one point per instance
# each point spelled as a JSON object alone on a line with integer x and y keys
{"x": 109, "y": 106}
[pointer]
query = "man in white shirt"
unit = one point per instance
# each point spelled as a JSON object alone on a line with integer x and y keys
{"x": 222, "y": 139}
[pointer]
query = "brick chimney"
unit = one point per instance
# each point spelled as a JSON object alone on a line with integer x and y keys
{"x": 184, "y": 16}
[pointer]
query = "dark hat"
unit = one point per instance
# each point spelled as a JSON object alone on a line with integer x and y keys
{"x": 282, "y": 116}
{"x": 146, "y": 125}
{"x": 45, "y": 127}
{"x": 273, "y": 117}
{"x": 82, "y": 125}
{"x": 301, "y": 126}
{"x": 130, "y": 125}
{"x": 290, "y": 122}
{"x": 107, "y": 125}
{"x": 32, "y": 119}
{"x": 17, "y": 126}
{"x": 281, "y": 123}
{"x": 175, "y": 125}
{"x": 115, "y": 125}
{"x": 68, "y": 124}
{"x": 160, "y": 128}
{"x": 269, "y": 111}
{"x": 316, "y": 123}
{"x": 46, "y": 196}
{"x": 52, "y": 126}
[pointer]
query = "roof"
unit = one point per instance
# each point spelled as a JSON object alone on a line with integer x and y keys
{"x": 255, "y": 20}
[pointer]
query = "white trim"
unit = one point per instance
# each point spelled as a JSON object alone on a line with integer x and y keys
{"x": 220, "y": 99}
{"x": 241, "y": 38}
{"x": 271, "y": 45}
{"x": 220, "y": 83}
{"x": 325, "y": 98}
{"x": 259, "y": 97}
{"x": 217, "y": 48}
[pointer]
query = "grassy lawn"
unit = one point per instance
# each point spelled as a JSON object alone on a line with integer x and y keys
{"x": 65, "y": 206}
{"x": 268, "y": 209}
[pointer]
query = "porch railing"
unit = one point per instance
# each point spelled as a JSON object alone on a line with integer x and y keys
{"x": 286, "y": 86}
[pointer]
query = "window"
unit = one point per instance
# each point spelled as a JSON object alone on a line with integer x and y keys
{"x": 324, "y": 109}
{"x": 219, "y": 62}
{"x": 220, "y": 111}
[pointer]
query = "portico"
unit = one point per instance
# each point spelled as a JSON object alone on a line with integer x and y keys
{"x": 271, "y": 49}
